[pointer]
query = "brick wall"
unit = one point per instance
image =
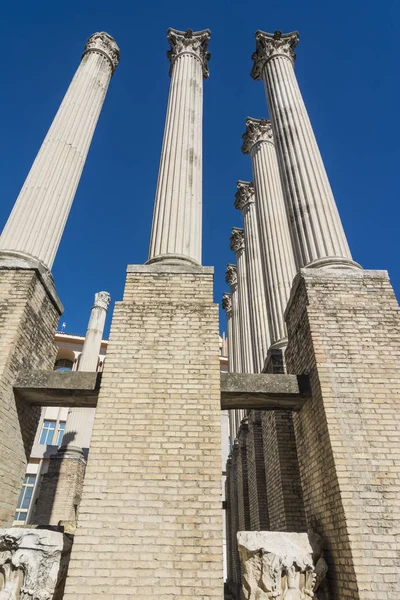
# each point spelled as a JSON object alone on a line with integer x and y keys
{"x": 344, "y": 331}
{"x": 150, "y": 520}
{"x": 258, "y": 504}
{"x": 242, "y": 478}
{"x": 60, "y": 490}
{"x": 28, "y": 321}
{"x": 234, "y": 575}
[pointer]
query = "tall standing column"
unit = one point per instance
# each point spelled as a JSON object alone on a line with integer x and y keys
{"x": 235, "y": 361}
{"x": 37, "y": 221}
{"x": 227, "y": 306}
{"x": 61, "y": 488}
{"x": 276, "y": 246}
{"x": 260, "y": 335}
{"x": 237, "y": 244}
{"x": 315, "y": 226}
{"x": 176, "y": 229}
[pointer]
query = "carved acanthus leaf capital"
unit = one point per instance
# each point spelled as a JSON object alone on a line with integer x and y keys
{"x": 231, "y": 275}
{"x": 257, "y": 130}
{"x": 269, "y": 45}
{"x": 227, "y": 303}
{"x": 189, "y": 42}
{"x": 237, "y": 239}
{"x": 244, "y": 195}
{"x": 102, "y": 299}
{"x": 103, "y": 43}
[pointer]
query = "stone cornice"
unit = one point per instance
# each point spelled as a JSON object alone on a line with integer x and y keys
{"x": 102, "y": 300}
{"x": 189, "y": 42}
{"x": 244, "y": 195}
{"x": 269, "y": 45}
{"x": 227, "y": 304}
{"x": 103, "y": 43}
{"x": 257, "y": 130}
{"x": 231, "y": 275}
{"x": 237, "y": 239}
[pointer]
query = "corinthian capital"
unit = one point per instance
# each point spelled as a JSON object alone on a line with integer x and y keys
{"x": 102, "y": 299}
{"x": 227, "y": 303}
{"x": 269, "y": 45}
{"x": 244, "y": 195}
{"x": 237, "y": 239}
{"x": 231, "y": 275}
{"x": 257, "y": 130}
{"x": 102, "y": 43}
{"x": 189, "y": 42}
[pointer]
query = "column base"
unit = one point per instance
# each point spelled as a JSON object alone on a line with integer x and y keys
{"x": 275, "y": 361}
{"x": 333, "y": 262}
{"x": 173, "y": 259}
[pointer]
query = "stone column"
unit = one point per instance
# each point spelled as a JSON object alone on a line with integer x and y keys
{"x": 235, "y": 364}
{"x": 176, "y": 229}
{"x": 227, "y": 306}
{"x": 260, "y": 334}
{"x": 276, "y": 246}
{"x": 316, "y": 229}
{"x": 37, "y": 221}
{"x": 237, "y": 244}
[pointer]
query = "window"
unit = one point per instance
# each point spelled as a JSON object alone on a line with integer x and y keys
{"x": 60, "y": 432}
{"x": 25, "y": 498}
{"x": 46, "y": 436}
{"x": 63, "y": 364}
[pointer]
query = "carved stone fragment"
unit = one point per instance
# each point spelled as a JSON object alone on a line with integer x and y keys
{"x": 33, "y": 564}
{"x": 280, "y": 566}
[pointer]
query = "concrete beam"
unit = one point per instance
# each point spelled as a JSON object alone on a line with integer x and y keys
{"x": 58, "y": 388}
{"x": 263, "y": 391}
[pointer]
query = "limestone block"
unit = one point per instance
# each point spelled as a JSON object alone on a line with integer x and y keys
{"x": 33, "y": 564}
{"x": 282, "y": 566}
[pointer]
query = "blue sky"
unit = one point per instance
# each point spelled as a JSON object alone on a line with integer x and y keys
{"x": 347, "y": 67}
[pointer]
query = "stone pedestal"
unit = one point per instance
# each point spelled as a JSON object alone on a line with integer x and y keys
{"x": 29, "y": 312}
{"x": 150, "y": 522}
{"x": 344, "y": 332}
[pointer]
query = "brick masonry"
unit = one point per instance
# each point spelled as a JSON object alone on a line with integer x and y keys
{"x": 344, "y": 331}
{"x": 234, "y": 575}
{"x": 60, "y": 490}
{"x": 28, "y": 321}
{"x": 258, "y": 501}
{"x": 242, "y": 478}
{"x": 150, "y": 520}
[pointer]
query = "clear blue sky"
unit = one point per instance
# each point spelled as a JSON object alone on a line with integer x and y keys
{"x": 348, "y": 70}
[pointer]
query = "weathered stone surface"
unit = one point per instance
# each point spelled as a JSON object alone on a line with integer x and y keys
{"x": 263, "y": 391}
{"x": 279, "y": 565}
{"x": 28, "y": 320}
{"x": 344, "y": 331}
{"x": 58, "y": 388}
{"x": 33, "y": 564}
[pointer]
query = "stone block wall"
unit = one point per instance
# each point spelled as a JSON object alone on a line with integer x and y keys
{"x": 285, "y": 501}
{"x": 60, "y": 490}
{"x": 258, "y": 503}
{"x": 28, "y": 321}
{"x": 344, "y": 332}
{"x": 234, "y": 574}
{"x": 150, "y": 520}
{"x": 242, "y": 478}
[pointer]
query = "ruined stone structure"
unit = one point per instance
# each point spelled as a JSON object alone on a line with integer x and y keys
{"x": 312, "y": 486}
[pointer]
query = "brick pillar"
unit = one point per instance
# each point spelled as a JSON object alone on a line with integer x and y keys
{"x": 29, "y": 312}
{"x": 344, "y": 331}
{"x": 285, "y": 501}
{"x": 258, "y": 503}
{"x": 234, "y": 583}
{"x": 242, "y": 481}
{"x": 150, "y": 520}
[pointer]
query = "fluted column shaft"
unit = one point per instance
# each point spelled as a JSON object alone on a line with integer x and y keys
{"x": 80, "y": 419}
{"x": 314, "y": 221}
{"x": 235, "y": 362}
{"x": 38, "y": 219}
{"x": 227, "y": 306}
{"x": 238, "y": 246}
{"x": 177, "y": 218}
{"x": 260, "y": 334}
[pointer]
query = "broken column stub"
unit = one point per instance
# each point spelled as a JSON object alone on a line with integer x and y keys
{"x": 277, "y": 565}
{"x": 33, "y": 563}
